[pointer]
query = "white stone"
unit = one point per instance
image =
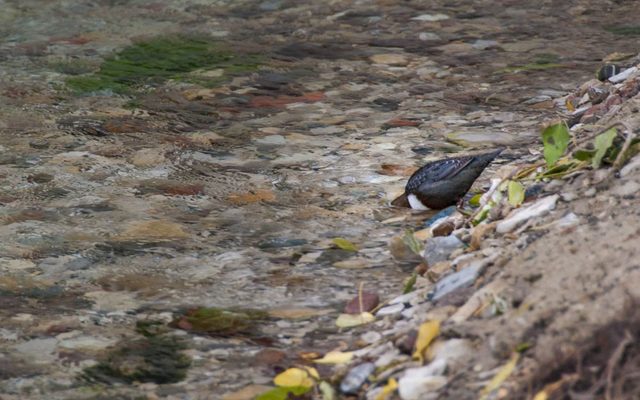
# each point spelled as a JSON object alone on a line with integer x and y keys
{"x": 538, "y": 209}
{"x": 622, "y": 76}
{"x": 431, "y": 17}
{"x": 417, "y": 382}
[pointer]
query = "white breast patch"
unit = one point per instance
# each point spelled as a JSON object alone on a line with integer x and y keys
{"x": 415, "y": 203}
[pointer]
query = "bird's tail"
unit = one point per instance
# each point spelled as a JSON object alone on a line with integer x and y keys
{"x": 401, "y": 201}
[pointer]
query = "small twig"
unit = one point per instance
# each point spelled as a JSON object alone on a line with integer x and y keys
{"x": 627, "y": 143}
{"x": 614, "y": 360}
{"x": 360, "y": 297}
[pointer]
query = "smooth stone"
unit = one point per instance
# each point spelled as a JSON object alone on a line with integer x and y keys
{"x": 431, "y": 17}
{"x": 622, "y": 76}
{"x": 389, "y": 59}
{"x": 390, "y": 310}
{"x": 458, "y": 280}
{"x": 440, "y": 248}
{"x": 87, "y": 343}
{"x": 470, "y": 139}
{"x": 371, "y": 337}
{"x": 626, "y": 188}
{"x": 520, "y": 216}
{"x": 356, "y": 377}
{"x": 38, "y": 350}
{"x": 440, "y": 215}
{"x": 633, "y": 165}
{"x": 481, "y": 44}
{"x": 428, "y": 36}
{"x": 273, "y": 140}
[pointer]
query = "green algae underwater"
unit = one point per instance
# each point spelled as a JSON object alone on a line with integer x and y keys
{"x": 157, "y": 60}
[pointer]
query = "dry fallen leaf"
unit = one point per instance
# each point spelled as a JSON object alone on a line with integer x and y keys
{"x": 297, "y": 377}
{"x": 350, "y": 320}
{"x": 390, "y": 387}
{"x": 500, "y": 377}
{"x": 335, "y": 357}
{"x": 426, "y": 333}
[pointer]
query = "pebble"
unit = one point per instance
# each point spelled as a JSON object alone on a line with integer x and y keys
{"x": 415, "y": 383}
{"x": 390, "y": 310}
{"x": 356, "y": 377}
{"x": 520, "y": 216}
{"x": 431, "y": 17}
{"x": 457, "y": 280}
{"x": 440, "y": 248}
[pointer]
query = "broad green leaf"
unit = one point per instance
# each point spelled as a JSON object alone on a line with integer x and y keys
{"x": 344, "y": 244}
{"x": 426, "y": 333}
{"x": 516, "y": 193}
{"x": 584, "y": 155}
{"x": 282, "y": 393}
{"x": 602, "y": 143}
{"x": 500, "y": 377}
{"x": 412, "y": 243}
{"x": 555, "y": 139}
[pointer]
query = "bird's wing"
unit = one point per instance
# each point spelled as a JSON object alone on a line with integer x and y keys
{"x": 437, "y": 171}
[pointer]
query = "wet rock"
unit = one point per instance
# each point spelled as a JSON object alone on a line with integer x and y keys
{"x": 475, "y": 139}
{"x": 221, "y": 322}
{"x": 277, "y": 243}
{"x": 431, "y": 17}
{"x": 443, "y": 229}
{"x": 366, "y": 301}
{"x": 440, "y": 248}
{"x": 38, "y": 350}
{"x": 401, "y": 252}
{"x": 389, "y": 59}
{"x": 520, "y": 216}
{"x": 407, "y": 342}
{"x": 157, "y": 359}
{"x": 356, "y": 377}
{"x": 157, "y": 230}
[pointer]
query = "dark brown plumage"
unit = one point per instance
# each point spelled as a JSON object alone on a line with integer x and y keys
{"x": 442, "y": 183}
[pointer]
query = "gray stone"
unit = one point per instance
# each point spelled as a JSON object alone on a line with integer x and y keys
{"x": 440, "y": 248}
{"x": 458, "y": 280}
{"x": 356, "y": 378}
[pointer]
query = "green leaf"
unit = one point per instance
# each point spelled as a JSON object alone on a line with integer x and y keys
{"x": 584, "y": 155}
{"x": 555, "y": 139}
{"x": 516, "y": 193}
{"x": 475, "y": 200}
{"x": 602, "y": 143}
{"x": 328, "y": 392}
{"x": 282, "y": 393}
{"x": 408, "y": 287}
{"x": 412, "y": 243}
{"x": 344, "y": 244}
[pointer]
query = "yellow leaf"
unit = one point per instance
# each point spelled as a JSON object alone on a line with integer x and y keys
{"x": 390, "y": 387}
{"x": 349, "y": 320}
{"x": 328, "y": 393}
{"x": 516, "y": 193}
{"x": 335, "y": 357}
{"x": 541, "y": 395}
{"x": 312, "y": 372}
{"x": 500, "y": 377}
{"x": 427, "y": 332}
{"x": 294, "y": 377}
{"x": 344, "y": 244}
